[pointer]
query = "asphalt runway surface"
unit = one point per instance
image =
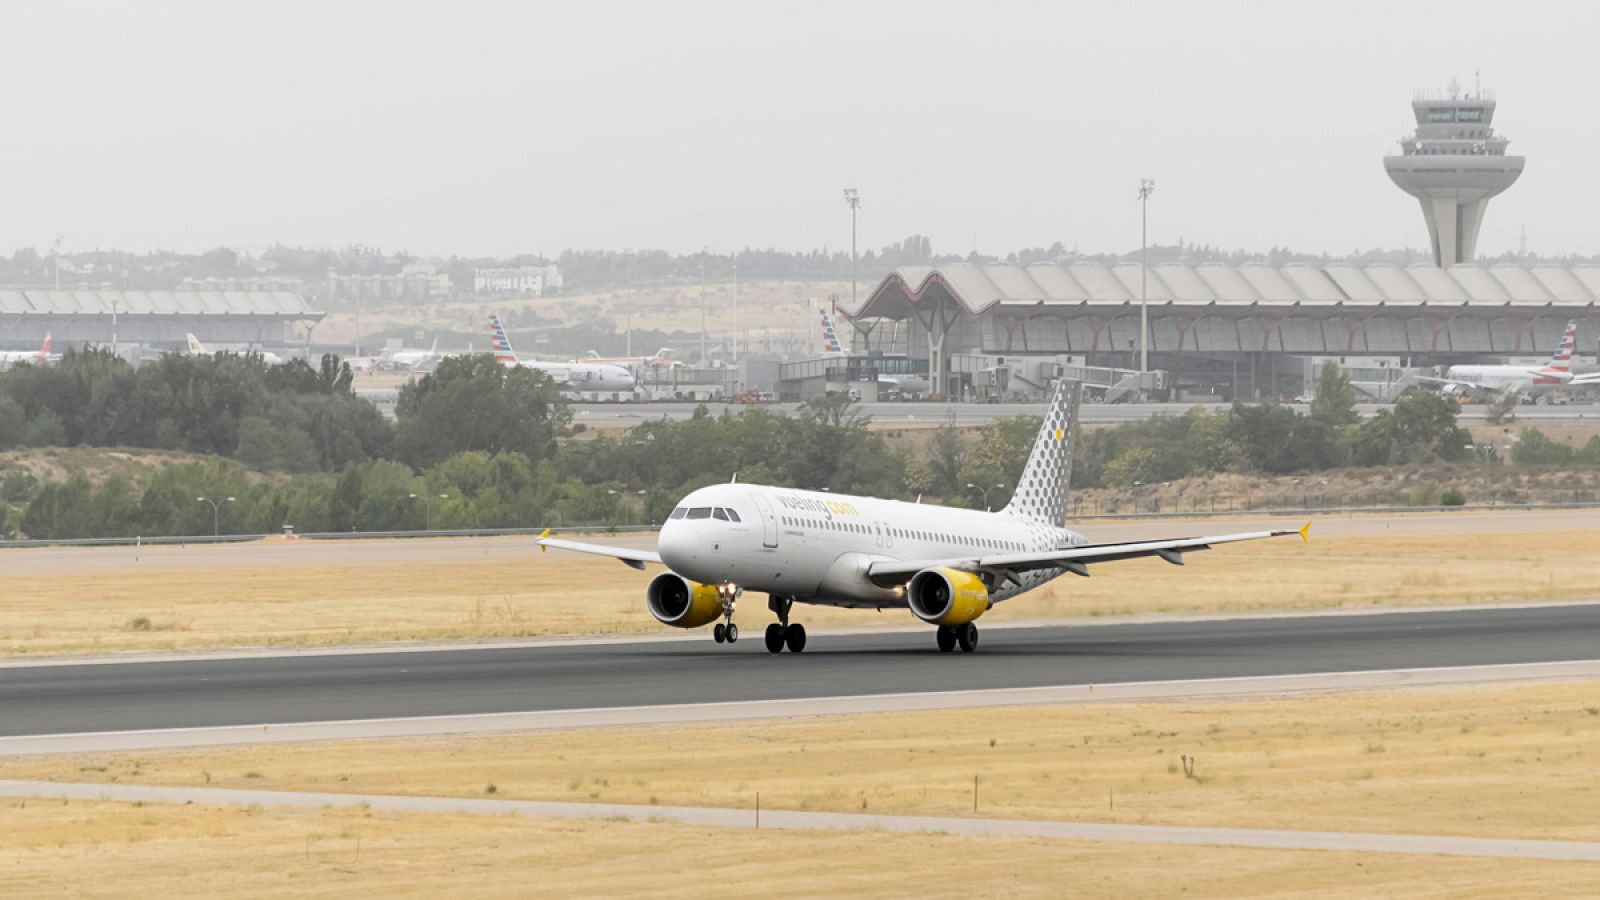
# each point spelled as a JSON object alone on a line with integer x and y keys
{"x": 57, "y": 699}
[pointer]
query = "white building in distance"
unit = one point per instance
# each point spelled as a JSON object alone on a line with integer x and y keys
{"x": 516, "y": 280}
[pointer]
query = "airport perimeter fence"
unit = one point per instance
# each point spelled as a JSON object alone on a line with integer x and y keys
{"x": 1285, "y": 512}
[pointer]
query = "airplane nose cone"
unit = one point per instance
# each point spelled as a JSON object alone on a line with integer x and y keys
{"x": 673, "y": 545}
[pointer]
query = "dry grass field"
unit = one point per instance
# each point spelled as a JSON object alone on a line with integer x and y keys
{"x": 274, "y": 594}
{"x": 1505, "y": 762}
{"x": 54, "y": 849}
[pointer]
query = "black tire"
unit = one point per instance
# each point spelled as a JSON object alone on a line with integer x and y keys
{"x": 733, "y": 633}
{"x": 968, "y": 636}
{"x": 946, "y": 638}
{"x": 795, "y": 638}
{"x": 719, "y": 633}
{"x": 774, "y": 638}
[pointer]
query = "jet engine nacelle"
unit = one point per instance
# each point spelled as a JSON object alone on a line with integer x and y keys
{"x": 675, "y": 600}
{"x": 947, "y": 596}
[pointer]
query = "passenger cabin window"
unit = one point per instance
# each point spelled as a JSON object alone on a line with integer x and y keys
{"x": 720, "y": 513}
{"x": 679, "y": 513}
{"x": 700, "y": 512}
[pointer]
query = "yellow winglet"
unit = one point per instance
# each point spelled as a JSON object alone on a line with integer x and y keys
{"x": 546, "y": 533}
{"x": 1305, "y": 531}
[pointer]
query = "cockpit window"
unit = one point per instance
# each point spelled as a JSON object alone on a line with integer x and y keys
{"x": 679, "y": 512}
{"x": 700, "y": 512}
{"x": 733, "y": 515}
{"x": 720, "y": 513}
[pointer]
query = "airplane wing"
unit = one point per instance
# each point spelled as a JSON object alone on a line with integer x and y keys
{"x": 1585, "y": 379}
{"x": 1074, "y": 559}
{"x": 625, "y": 555}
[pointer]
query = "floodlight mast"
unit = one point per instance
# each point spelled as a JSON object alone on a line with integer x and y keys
{"x": 852, "y": 199}
{"x": 1147, "y": 186}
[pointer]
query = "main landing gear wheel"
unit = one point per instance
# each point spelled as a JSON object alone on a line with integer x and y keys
{"x": 774, "y": 638}
{"x": 946, "y": 638}
{"x": 967, "y": 635}
{"x": 795, "y": 637}
{"x": 719, "y": 633}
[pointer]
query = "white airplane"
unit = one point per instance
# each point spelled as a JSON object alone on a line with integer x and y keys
{"x": 659, "y": 359}
{"x": 1503, "y": 380}
{"x": 947, "y": 566}
{"x": 198, "y": 349}
{"x": 833, "y": 346}
{"x": 39, "y": 357}
{"x": 414, "y": 359}
{"x": 570, "y": 376}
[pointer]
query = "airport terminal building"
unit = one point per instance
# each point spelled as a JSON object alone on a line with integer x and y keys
{"x": 1243, "y": 330}
{"x": 155, "y": 319}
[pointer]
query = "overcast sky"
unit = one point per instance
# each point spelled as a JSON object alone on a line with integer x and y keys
{"x": 493, "y": 129}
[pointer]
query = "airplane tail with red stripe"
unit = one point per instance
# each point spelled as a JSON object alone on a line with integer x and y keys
{"x": 503, "y": 354}
{"x": 1561, "y": 361}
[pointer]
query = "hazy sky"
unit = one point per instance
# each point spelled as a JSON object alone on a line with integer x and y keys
{"x": 498, "y": 128}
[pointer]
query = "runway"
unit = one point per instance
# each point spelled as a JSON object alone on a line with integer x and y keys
{"x": 57, "y": 699}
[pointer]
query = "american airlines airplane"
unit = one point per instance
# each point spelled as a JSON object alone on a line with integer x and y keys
{"x": 1503, "y": 380}
{"x": 946, "y": 566}
{"x": 570, "y": 376}
{"x": 39, "y": 357}
{"x": 198, "y": 349}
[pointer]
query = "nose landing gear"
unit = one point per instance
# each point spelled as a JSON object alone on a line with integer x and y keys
{"x": 781, "y": 634}
{"x": 726, "y": 631}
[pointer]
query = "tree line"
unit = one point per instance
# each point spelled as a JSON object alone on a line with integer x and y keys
{"x": 477, "y": 446}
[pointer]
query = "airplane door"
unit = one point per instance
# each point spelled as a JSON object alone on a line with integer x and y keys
{"x": 769, "y": 522}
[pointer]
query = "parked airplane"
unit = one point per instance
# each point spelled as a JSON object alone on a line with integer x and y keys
{"x": 660, "y": 359}
{"x": 414, "y": 359}
{"x": 947, "y": 566}
{"x": 570, "y": 376}
{"x": 39, "y": 357}
{"x": 833, "y": 346}
{"x": 198, "y": 349}
{"x": 1502, "y": 380}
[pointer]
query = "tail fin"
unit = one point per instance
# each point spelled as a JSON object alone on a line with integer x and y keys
{"x": 1041, "y": 494}
{"x": 434, "y": 350}
{"x": 1561, "y": 360}
{"x": 830, "y": 335}
{"x": 503, "y": 353}
{"x": 194, "y": 344}
{"x": 44, "y": 349}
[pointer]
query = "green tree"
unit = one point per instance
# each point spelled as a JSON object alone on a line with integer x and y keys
{"x": 1334, "y": 402}
{"x": 1535, "y": 448}
{"x": 474, "y": 403}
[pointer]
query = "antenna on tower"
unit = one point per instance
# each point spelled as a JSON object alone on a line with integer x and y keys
{"x": 1477, "y": 83}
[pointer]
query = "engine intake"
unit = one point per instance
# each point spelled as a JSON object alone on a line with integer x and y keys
{"x": 947, "y": 596}
{"x": 676, "y": 601}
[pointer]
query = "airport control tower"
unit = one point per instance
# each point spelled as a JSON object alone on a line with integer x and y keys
{"x": 1453, "y": 164}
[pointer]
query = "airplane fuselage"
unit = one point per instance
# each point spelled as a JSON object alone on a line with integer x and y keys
{"x": 815, "y": 547}
{"x": 1505, "y": 378}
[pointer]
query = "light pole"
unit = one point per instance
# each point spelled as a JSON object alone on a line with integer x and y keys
{"x": 852, "y": 199}
{"x": 216, "y": 515}
{"x": 1147, "y": 186}
{"x": 736, "y": 307}
{"x": 705, "y": 256}
{"x": 427, "y": 509}
{"x": 985, "y": 492}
